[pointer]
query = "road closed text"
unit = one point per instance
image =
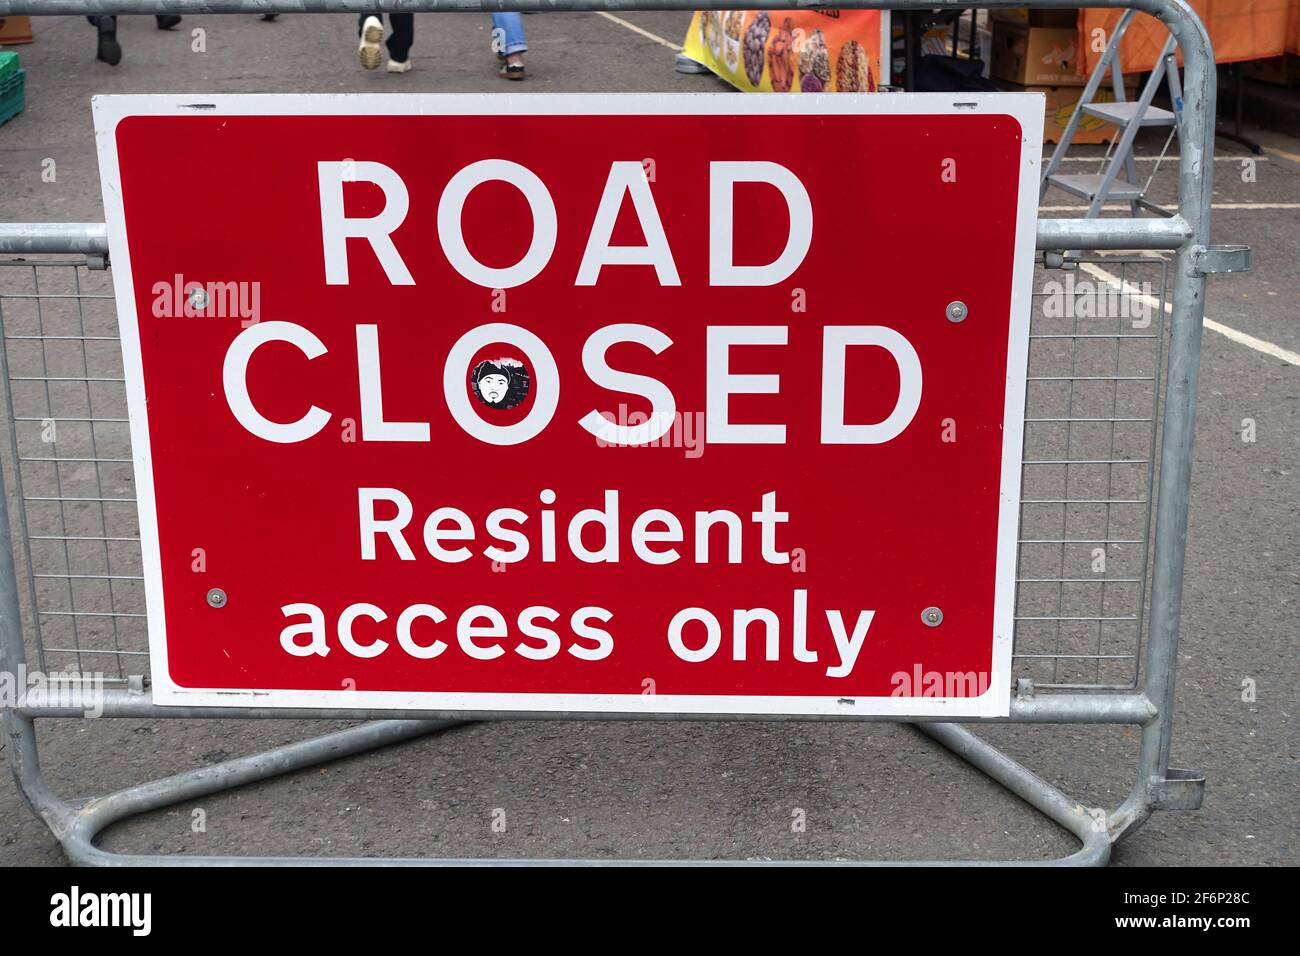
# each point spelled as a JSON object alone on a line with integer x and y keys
{"x": 626, "y": 185}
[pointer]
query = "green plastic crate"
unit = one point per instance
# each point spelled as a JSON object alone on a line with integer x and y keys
{"x": 11, "y": 95}
{"x": 8, "y": 64}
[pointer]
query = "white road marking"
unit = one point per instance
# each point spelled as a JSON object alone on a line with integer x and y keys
{"x": 1241, "y": 338}
{"x": 676, "y": 48}
{"x": 1283, "y": 153}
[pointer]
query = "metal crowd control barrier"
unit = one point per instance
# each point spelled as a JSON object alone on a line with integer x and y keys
{"x": 1108, "y": 450}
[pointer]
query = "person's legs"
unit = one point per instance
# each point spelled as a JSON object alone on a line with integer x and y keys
{"x": 508, "y": 41}
{"x": 107, "y": 47}
{"x": 511, "y": 27}
{"x": 370, "y": 27}
{"x": 403, "y": 36}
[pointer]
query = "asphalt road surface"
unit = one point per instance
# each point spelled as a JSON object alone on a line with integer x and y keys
{"x": 661, "y": 790}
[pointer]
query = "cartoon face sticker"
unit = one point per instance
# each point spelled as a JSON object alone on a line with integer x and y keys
{"x": 492, "y": 388}
{"x": 500, "y": 383}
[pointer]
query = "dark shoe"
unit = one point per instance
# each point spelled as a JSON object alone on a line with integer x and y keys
{"x": 269, "y": 17}
{"x": 109, "y": 50}
{"x": 512, "y": 71}
{"x": 168, "y": 21}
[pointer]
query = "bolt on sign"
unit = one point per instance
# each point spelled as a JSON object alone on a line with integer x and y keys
{"x": 634, "y": 404}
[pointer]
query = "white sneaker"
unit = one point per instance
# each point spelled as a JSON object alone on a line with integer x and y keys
{"x": 399, "y": 66}
{"x": 372, "y": 32}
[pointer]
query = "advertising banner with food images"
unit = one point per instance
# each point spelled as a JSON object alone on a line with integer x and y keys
{"x": 438, "y": 413}
{"x": 795, "y": 51}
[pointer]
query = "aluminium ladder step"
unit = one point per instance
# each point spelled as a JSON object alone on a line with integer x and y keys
{"x": 1123, "y": 113}
{"x": 1087, "y": 185}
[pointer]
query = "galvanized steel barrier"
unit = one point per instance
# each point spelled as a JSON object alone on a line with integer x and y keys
{"x": 1107, "y": 466}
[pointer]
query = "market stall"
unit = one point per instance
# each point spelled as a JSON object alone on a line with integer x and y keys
{"x": 799, "y": 51}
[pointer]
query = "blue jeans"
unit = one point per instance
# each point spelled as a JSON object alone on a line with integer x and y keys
{"x": 511, "y": 36}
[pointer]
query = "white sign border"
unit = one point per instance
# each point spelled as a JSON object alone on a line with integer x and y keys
{"x": 1025, "y": 108}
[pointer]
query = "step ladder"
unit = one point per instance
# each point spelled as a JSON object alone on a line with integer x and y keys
{"x": 1130, "y": 116}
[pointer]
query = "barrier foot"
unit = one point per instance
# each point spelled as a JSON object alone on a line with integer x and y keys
{"x": 78, "y": 825}
{"x": 1088, "y": 825}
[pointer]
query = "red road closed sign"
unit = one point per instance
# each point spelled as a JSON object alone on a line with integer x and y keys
{"x": 674, "y": 404}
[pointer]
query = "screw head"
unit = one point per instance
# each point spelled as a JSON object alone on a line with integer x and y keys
{"x": 932, "y": 617}
{"x": 956, "y": 311}
{"x": 198, "y": 298}
{"x": 217, "y": 598}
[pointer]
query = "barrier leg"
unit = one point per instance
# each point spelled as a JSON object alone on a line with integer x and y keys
{"x": 77, "y": 825}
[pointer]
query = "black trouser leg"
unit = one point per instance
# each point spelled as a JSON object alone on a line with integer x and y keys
{"x": 402, "y": 38}
{"x": 107, "y": 48}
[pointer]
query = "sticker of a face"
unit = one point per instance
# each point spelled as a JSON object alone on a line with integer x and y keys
{"x": 500, "y": 383}
{"x": 493, "y": 388}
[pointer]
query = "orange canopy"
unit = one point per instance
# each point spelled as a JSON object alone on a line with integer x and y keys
{"x": 1239, "y": 30}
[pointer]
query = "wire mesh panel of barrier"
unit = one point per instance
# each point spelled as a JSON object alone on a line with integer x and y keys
{"x": 1090, "y": 444}
{"x": 72, "y": 454}
{"x": 1114, "y": 354}
{"x": 1089, "y": 465}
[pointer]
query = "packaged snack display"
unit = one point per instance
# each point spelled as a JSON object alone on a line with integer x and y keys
{"x": 732, "y": 24}
{"x": 780, "y": 57}
{"x": 755, "y": 41}
{"x": 814, "y": 64}
{"x": 796, "y": 51}
{"x": 853, "y": 70}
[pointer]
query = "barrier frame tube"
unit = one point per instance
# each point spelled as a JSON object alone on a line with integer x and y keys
{"x": 1187, "y": 235}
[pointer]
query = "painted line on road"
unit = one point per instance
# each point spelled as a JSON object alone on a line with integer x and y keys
{"x": 1283, "y": 153}
{"x": 1227, "y": 331}
{"x": 676, "y": 48}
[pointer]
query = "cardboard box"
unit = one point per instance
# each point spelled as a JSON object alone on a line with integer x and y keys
{"x": 1035, "y": 17}
{"x": 15, "y": 30}
{"x": 1061, "y": 104}
{"x": 1036, "y": 56}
